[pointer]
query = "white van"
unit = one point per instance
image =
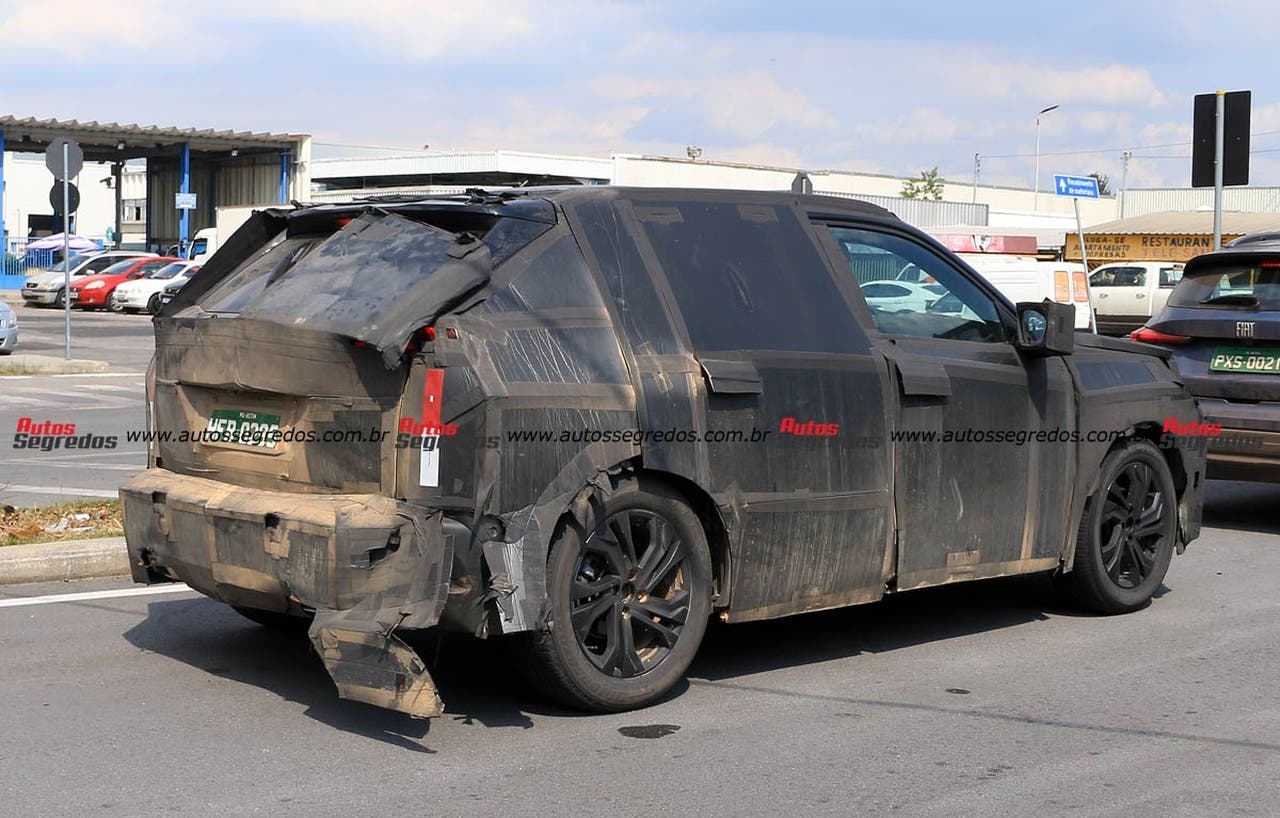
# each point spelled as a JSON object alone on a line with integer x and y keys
{"x": 1025, "y": 278}
{"x": 203, "y": 245}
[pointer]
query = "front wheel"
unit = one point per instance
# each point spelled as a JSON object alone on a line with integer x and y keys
{"x": 62, "y": 297}
{"x": 630, "y": 597}
{"x": 1127, "y": 534}
{"x": 153, "y": 304}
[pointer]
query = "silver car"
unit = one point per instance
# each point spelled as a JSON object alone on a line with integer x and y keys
{"x": 8, "y": 329}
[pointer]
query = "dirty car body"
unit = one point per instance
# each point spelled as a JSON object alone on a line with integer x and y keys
{"x": 412, "y": 408}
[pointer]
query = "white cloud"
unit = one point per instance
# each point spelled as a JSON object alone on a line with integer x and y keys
{"x": 124, "y": 24}
{"x": 1116, "y": 84}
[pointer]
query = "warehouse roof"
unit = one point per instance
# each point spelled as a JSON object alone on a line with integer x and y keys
{"x": 111, "y": 141}
{"x": 1187, "y": 222}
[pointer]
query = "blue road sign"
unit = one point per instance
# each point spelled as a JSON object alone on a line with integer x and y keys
{"x": 1078, "y": 187}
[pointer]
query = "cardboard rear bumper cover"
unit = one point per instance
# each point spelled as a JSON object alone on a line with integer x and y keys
{"x": 366, "y": 564}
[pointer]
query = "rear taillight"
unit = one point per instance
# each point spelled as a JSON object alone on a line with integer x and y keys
{"x": 1080, "y": 283}
{"x": 1271, "y": 263}
{"x": 1147, "y": 335}
{"x": 1062, "y": 287}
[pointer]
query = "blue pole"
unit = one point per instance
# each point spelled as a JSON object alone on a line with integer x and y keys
{"x": 184, "y": 186}
{"x": 284, "y": 177}
{"x": 4, "y": 239}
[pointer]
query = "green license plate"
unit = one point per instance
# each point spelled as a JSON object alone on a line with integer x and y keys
{"x": 1250, "y": 361}
{"x": 238, "y": 427}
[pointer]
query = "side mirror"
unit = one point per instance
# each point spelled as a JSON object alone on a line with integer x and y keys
{"x": 1046, "y": 328}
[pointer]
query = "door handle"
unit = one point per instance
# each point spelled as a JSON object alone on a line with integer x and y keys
{"x": 725, "y": 377}
{"x": 1102, "y": 295}
{"x": 1142, "y": 295}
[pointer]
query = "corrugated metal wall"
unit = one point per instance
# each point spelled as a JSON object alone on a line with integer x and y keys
{"x": 1140, "y": 201}
{"x": 247, "y": 180}
{"x": 924, "y": 213}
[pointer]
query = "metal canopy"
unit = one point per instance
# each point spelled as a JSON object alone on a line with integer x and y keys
{"x": 113, "y": 142}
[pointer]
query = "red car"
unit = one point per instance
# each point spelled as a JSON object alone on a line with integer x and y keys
{"x": 94, "y": 292}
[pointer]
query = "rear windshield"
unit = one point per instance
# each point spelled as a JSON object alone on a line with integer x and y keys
{"x": 1246, "y": 285}
{"x": 350, "y": 277}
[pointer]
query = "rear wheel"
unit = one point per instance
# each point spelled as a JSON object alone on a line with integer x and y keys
{"x": 630, "y": 597}
{"x": 1127, "y": 534}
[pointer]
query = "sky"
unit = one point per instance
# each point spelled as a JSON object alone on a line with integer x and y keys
{"x": 885, "y": 87}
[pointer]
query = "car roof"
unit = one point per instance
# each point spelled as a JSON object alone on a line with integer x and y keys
{"x": 1261, "y": 246}
{"x": 577, "y": 193}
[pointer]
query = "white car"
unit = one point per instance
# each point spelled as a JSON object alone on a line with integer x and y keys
{"x": 8, "y": 329}
{"x": 50, "y": 287}
{"x": 900, "y": 296}
{"x": 144, "y": 293}
{"x": 1126, "y": 295}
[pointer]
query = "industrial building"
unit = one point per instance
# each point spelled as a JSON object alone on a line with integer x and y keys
{"x": 219, "y": 167}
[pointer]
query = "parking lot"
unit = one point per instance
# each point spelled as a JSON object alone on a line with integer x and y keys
{"x": 106, "y": 404}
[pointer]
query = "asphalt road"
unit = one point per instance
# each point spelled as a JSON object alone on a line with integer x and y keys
{"x": 987, "y": 698}
{"x": 124, "y": 341}
{"x": 104, "y": 405}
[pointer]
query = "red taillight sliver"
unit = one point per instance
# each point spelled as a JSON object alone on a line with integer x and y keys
{"x": 1147, "y": 335}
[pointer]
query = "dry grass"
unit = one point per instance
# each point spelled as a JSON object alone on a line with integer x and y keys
{"x": 84, "y": 519}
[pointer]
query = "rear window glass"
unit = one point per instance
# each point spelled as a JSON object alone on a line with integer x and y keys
{"x": 1243, "y": 285}
{"x": 348, "y": 278}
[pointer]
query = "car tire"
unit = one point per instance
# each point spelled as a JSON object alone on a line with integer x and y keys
{"x": 275, "y": 620}
{"x": 153, "y": 304}
{"x": 625, "y": 619}
{"x": 1127, "y": 533}
{"x": 61, "y": 300}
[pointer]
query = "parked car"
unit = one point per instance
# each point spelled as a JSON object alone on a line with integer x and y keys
{"x": 1126, "y": 295}
{"x": 1222, "y": 325}
{"x": 172, "y": 289}
{"x": 94, "y": 292}
{"x": 542, "y": 414}
{"x": 906, "y": 296}
{"x": 145, "y": 293}
{"x": 49, "y": 288}
{"x": 8, "y": 329}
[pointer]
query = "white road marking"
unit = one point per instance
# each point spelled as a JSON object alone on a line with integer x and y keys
{"x": 18, "y": 602}
{"x": 70, "y": 491}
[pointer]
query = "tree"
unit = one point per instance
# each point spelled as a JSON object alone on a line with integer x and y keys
{"x": 1104, "y": 183}
{"x": 927, "y": 185}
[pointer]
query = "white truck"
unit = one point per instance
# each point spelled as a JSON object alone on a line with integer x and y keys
{"x": 1127, "y": 294}
{"x": 228, "y": 220}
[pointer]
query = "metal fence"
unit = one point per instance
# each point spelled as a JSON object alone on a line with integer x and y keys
{"x": 16, "y": 263}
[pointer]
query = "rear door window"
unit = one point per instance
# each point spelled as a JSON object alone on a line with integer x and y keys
{"x": 748, "y": 277}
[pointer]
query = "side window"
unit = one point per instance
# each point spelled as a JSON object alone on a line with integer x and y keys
{"x": 1119, "y": 277}
{"x": 912, "y": 291}
{"x": 100, "y": 264}
{"x": 1170, "y": 276}
{"x": 748, "y": 277}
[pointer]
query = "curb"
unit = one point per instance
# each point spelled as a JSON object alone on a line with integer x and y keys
{"x": 54, "y": 561}
{"x": 48, "y": 365}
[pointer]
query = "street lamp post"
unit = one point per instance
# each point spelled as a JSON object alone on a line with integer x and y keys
{"x": 1036, "y": 199}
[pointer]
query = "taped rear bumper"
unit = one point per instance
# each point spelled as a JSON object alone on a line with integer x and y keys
{"x": 366, "y": 565}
